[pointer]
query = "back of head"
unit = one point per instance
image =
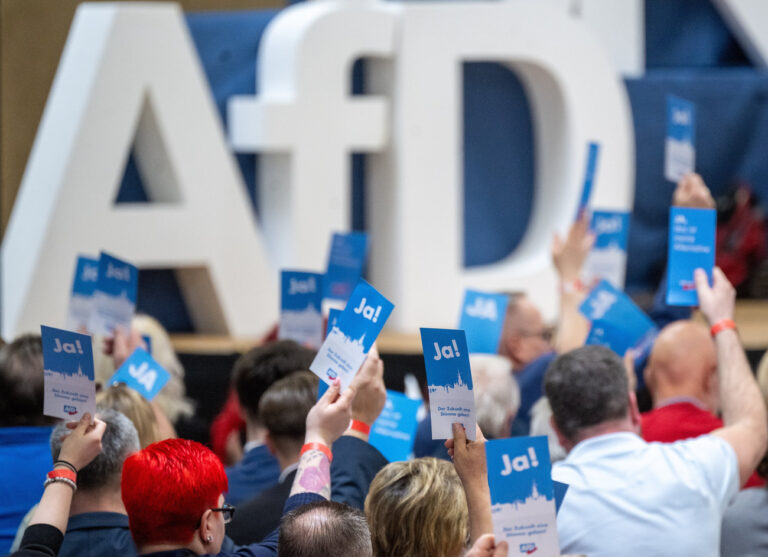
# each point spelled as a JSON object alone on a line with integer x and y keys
{"x": 324, "y": 528}
{"x": 586, "y": 387}
{"x": 417, "y": 508}
{"x": 120, "y": 440}
{"x": 497, "y": 395}
{"x": 167, "y": 487}
{"x": 135, "y": 407}
{"x": 21, "y": 383}
{"x": 258, "y": 368}
{"x": 284, "y": 407}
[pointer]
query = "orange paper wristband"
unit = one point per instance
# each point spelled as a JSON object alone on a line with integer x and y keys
{"x": 362, "y": 427}
{"x": 723, "y": 325}
{"x": 317, "y": 447}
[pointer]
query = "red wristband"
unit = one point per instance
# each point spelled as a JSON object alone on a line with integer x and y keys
{"x": 317, "y": 447}
{"x": 723, "y": 325}
{"x": 362, "y": 427}
{"x": 63, "y": 473}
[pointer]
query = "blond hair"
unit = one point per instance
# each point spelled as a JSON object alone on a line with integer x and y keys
{"x": 135, "y": 407}
{"x": 417, "y": 508}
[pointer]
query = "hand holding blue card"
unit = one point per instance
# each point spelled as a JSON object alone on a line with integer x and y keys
{"x": 81, "y": 302}
{"x": 346, "y": 346}
{"x": 141, "y": 373}
{"x": 449, "y": 380}
{"x": 115, "y": 295}
{"x": 70, "y": 388}
{"x": 691, "y": 246}
{"x": 482, "y": 319}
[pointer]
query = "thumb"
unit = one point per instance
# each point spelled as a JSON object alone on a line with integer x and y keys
{"x": 332, "y": 393}
{"x": 700, "y": 277}
{"x": 459, "y": 437}
{"x": 85, "y": 421}
{"x": 347, "y": 396}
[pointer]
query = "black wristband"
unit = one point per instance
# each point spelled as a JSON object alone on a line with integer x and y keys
{"x": 67, "y": 464}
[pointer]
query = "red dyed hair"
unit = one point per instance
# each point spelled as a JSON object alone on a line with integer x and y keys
{"x": 167, "y": 487}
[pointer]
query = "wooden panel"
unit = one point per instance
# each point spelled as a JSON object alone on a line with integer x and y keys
{"x": 32, "y": 36}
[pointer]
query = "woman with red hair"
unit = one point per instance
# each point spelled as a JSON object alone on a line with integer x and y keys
{"x": 173, "y": 490}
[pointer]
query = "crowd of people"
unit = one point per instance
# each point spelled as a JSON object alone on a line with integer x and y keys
{"x": 687, "y": 477}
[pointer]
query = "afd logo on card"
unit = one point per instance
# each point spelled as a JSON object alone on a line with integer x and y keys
{"x": 141, "y": 373}
{"x": 528, "y": 548}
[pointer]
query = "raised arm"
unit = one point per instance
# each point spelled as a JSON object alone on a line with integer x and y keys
{"x": 744, "y": 414}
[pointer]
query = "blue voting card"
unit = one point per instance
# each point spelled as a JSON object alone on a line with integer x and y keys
{"x": 593, "y": 151}
{"x": 608, "y": 257}
{"x": 395, "y": 429}
{"x": 301, "y": 301}
{"x": 482, "y": 318}
{"x": 691, "y": 246}
{"x": 81, "y": 300}
{"x": 333, "y": 318}
{"x": 70, "y": 389}
{"x": 346, "y": 346}
{"x": 141, "y": 373}
{"x": 115, "y": 295}
{"x": 522, "y": 495}
{"x": 617, "y": 322}
{"x": 449, "y": 381}
{"x": 345, "y": 264}
{"x": 680, "y": 152}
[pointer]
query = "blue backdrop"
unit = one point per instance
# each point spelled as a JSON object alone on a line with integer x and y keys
{"x": 703, "y": 64}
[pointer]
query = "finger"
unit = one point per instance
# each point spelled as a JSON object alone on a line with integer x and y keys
{"x": 82, "y": 425}
{"x": 72, "y": 425}
{"x": 719, "y": 277}
{"x": 99, "y": 427}
{"x": 448, "y": 444}
{"x": 479, "y": 437}
{"x": 347, "y": 396}
{"x": 459, "y": 437}
{"x": 332, "y": 393}
{"x": 700, "y": 278}
{"x": 374, "y": 351}
{"x": 501, "y": 550}
{"x": 485, "y": 542}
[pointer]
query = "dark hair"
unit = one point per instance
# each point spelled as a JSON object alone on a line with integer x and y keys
{"x": 21, "y": 383}
{"x": 324, "y": 528}
{"x": 284, "y": 406}
{"x": 258, "y": 368}
{"x": 586, "y": 387}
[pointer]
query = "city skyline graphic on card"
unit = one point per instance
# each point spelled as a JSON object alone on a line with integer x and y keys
{"x": 680, "y": 147}
{"x": 522, "y": 495}
{"x": 617, "y": 322}
{"x": 333, "y": 318}
{"x": 301, "y": 300}
{"x": 608, "y": 257}
{"x": 81, "y": 301}
{"x": 114, "y": 296}
{"x": 346, "y": 261}
{"x": 346, "y": 346}
{"x": 590, "y": 170}
{"x": 482, "y": 319}
{"x": 69, "y": 384}
{"x": 141, "y": 373}
{"x": 691, "y": 246}
{"x": 394, "y": 431}
{"x": 449, "y": 382}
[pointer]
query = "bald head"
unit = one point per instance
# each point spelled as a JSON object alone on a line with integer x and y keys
{"x": 524, "y": 336}
{"x": 683, "y": 362}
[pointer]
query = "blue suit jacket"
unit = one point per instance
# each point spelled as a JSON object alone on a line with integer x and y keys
{"x": 257, "y": 471}
{"x": 98, "y": 535}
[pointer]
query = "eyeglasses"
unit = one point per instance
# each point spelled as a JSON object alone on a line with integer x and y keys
{"x": 545, "y": 334}
{"x": 227, "y": 511}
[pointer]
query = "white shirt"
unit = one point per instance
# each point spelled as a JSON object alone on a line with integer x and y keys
{"x": 631, "y": 498}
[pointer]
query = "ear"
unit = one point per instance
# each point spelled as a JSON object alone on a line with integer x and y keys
{"x": 206, "y": 530}
{"x": 634, "y": 413}
{"x": 562, "y": 439}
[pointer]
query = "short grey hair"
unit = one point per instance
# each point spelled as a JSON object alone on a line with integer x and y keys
{"x": 120, "y": 440}
{"x": 497, "y": 394}
{"x": 324, "y": 528}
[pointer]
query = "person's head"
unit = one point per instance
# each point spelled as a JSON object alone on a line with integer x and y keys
{"x": 683, "y": 362}
{"x": 324, "y": 528}
{"x": 497, "y": 395}
{"x": 283, "y": 412}
{"x": 258, "y": 368}
{"x": 120, "y": 440}
{"x": 21, "y": 383}
{"x": 588, "y": 391}
{"x": 173, "y": 493}
{"x": 417, "y": 508}
{"x": 135, "y": 407}
{"x": 524, "y": 336}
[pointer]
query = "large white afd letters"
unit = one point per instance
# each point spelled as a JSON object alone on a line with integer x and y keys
{"x": 132, "y": 70}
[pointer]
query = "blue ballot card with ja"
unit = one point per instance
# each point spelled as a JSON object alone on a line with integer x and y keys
{"x": 69, "y": 385}
{"x": 81, "y": 300}
{"x": 301, "y": 300}
{"x": 691, "y": 246}
{"x": 680, "y": 148}
{"x": 141, "y": 373}
{"x": 345, "y": 264}
{"x": 608, "y": 257}
{"x": 617, "y": 322}
{"x": 522, "y": 495}
{"x": 482, "y": 318}
{"x": 449, "y": 381}
{"x": 593, "y": 152}
{"x": 394, "y": 430}
{"x": 115, "y": 295}
{"x": 346, "y": 346}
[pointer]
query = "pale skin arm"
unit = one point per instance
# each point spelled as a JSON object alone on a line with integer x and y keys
{"x": 568, "y": 256}
{"x": 469, "y": 459}
{"x": 326, "y": 422}
{"x": 744, "y": 414}
{"x": 371, "y": 394}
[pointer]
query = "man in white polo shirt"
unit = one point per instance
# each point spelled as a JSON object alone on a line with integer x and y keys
{"x": 628, "y": 497}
